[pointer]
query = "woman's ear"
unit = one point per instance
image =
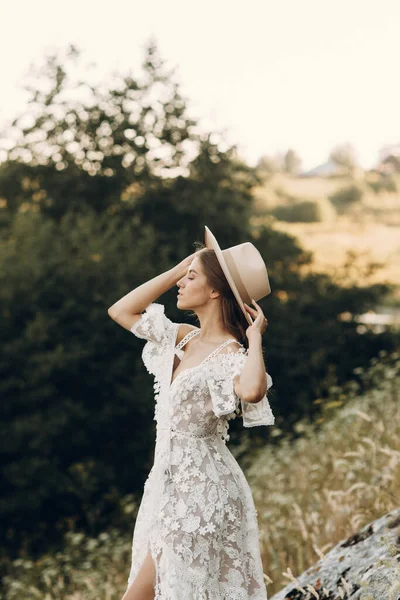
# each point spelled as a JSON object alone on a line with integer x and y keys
{"x": 214, "y": 294}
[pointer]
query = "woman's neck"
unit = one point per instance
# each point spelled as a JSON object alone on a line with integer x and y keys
{"x": 211, "y": 327}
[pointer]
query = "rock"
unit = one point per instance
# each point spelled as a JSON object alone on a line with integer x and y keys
{"x": 366, "y": 566}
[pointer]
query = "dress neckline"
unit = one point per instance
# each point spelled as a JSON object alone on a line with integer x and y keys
{"x": 206, "y": 359}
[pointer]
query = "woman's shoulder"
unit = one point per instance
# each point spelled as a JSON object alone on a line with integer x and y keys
{"x": 228, "y": 361}
{"x": 232, "y": 354}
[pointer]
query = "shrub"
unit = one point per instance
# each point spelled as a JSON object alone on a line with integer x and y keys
{"x": 386, "y": 183}
{"x": 347, "y": 196}
{"x": 306, "y": 211}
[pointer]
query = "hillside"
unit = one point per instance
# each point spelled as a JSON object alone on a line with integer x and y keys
{"x": 360, "y": 229}
{"x": 340, "y": 474}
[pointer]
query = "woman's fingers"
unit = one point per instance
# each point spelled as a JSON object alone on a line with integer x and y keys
{"x": 258, "y": 315}
{"x": 250, "y": 309}
{"x": 256, "y": 311}
{"x": 258, "y": 307}
{"x": 260, "y": 310}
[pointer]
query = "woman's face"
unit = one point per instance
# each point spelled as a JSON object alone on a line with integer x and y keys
{"x": 194, "y": 289}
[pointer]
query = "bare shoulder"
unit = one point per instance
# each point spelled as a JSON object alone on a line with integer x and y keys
{"x": 184, "y": 329}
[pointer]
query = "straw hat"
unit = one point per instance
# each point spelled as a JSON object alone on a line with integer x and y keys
{"x": 244, "y": 270}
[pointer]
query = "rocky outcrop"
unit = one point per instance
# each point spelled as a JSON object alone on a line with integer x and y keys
{"x": 366, "y": 566}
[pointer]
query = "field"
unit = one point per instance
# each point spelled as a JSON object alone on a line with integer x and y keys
{"x": 367, "y": 232}
{"x": 339, "y": 475}
{"x": 362, "y": 244}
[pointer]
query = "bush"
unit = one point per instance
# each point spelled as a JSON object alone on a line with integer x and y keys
{"x": 386, "y": 183}
{"x": 307, "y": 211}
{"x": 347, "y": 196}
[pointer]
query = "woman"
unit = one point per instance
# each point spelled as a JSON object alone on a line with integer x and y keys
{"x": 196, "y": 532}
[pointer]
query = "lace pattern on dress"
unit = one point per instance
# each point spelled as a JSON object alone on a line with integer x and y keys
{"x": 160, "y": 333}
{"x": 159, "y": 330}
{"x": 224, "y": 398}
{"x": 197, "y": 513}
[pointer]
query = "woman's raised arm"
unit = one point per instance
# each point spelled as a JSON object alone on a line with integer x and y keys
{"x": 127, "y": 310}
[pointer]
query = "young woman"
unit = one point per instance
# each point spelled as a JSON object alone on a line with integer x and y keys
{"x": 196, "y": 535}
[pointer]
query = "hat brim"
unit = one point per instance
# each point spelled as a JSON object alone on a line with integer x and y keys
{"x": 212, "y": 244}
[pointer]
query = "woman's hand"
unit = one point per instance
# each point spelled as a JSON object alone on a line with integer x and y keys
{"x": 260, "y": 321}
{"x": 181, "y": 268}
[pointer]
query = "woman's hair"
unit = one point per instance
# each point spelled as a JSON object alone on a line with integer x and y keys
{"x": 233, "y": 318}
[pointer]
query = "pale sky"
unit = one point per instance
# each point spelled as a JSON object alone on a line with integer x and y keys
{"x": 305, "y": 74}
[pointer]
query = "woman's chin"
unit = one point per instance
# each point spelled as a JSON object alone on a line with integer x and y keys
{"x": 181, "y": 304}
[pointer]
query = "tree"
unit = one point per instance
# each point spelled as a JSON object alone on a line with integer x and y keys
{"x": 217, "y": 192}
{"x": 345, "y": 157}
{"x": 292, "y": 162}
{"x": 82, "y": 143}
{"x": 268, "y": 165}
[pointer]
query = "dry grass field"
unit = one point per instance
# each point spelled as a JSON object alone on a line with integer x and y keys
{"x": 339, "y": 475}
{"x": 334, "y": 244}
{"x": 368, "y": 232}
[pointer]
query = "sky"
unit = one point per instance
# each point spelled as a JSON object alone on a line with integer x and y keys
{"x": 301, "y": 74}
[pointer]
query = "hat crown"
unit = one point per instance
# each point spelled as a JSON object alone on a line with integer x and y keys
{"x": 248, "y": 271}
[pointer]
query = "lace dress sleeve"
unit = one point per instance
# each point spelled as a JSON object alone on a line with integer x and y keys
{"x": 159, "y": 331}
{"x": 153, "y": 325}
{"x": 224, "y": 398}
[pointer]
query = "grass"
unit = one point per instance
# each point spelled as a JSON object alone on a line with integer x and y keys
{"x": 85, "y": 569}
{"x": 342, "y": 472}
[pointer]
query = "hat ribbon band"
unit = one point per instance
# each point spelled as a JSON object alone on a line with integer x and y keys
{"x": 236, "y": 277}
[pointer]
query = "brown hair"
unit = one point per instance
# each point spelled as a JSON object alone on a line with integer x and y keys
{"x": 233, "y": 318}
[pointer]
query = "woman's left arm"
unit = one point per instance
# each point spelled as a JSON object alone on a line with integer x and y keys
{"x": 251, "y": 385}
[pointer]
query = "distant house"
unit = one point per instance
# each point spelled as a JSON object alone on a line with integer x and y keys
{"x": 324, "y": 170}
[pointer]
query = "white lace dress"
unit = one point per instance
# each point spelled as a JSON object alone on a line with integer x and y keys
{"x": 197, "y": 515}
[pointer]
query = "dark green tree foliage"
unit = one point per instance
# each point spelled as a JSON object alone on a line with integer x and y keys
{"x": 76, "y": 415}
{"x": 217, "y": 193}
{"x": 77, "y": 429}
